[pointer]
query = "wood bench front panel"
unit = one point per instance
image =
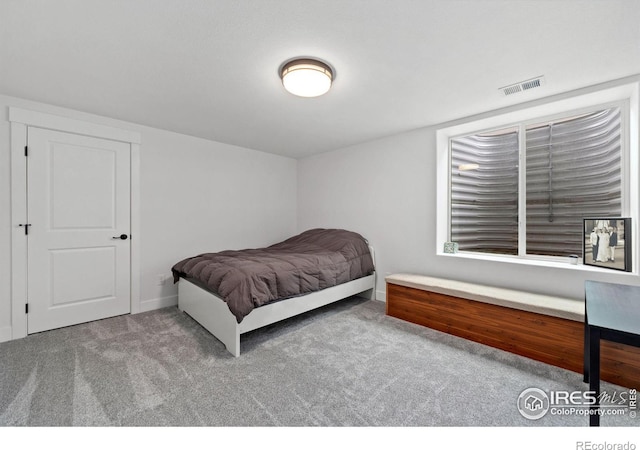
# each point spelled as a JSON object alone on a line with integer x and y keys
{"x": 552, "y": 340}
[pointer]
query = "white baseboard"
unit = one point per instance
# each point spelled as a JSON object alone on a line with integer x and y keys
{"x": 5, "y": 334}
{"x": 157, "y": 303}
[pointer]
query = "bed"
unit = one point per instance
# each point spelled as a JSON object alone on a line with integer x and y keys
{"x": 236, "y": 291}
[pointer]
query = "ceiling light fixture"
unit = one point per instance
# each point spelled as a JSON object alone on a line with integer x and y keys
{"x": 306, "y": 77}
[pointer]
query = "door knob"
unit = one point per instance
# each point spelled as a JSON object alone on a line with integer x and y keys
{"x": 122, "y": 236}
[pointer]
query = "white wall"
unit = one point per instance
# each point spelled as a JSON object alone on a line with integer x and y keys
{"x": 382, "y": 190}
{"x": 200, "y": 196}
{"x": 386, "y": 190}
{"x": 195, "y": 196}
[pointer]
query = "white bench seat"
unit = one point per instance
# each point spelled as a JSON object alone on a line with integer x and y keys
{"x": 564, "y": 308}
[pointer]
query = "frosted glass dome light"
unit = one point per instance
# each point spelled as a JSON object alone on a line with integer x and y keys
{"x": 306, "y": 77}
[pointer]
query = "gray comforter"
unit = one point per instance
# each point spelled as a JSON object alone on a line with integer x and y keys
{"x": 311, "y": 261}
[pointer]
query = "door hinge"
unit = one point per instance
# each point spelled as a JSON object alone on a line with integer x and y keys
{"x": 26, "y": 308}
{"x": 26, "y": 150}
{"x": 26, "y": 227}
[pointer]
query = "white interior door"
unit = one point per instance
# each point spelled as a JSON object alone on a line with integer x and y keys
{"x": 78, "y": 206}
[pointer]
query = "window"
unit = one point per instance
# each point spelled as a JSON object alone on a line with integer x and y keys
{"x": 572, "y": 169}
{"x": 484, "y": 192}
{"x": 514, "y": 186}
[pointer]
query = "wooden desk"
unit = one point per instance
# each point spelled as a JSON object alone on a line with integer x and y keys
{"x": 612, "y": 312}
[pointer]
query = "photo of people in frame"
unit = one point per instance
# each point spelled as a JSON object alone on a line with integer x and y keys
{"x": 607, "y": 243}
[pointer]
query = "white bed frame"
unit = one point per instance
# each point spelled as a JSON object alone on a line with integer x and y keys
{"x": 212, "y": 312}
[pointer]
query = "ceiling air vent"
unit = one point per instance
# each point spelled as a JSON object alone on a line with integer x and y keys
{"x": 523, "y": 85}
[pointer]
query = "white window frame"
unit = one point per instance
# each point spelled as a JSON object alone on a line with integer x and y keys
{"x": 625, "y": 95}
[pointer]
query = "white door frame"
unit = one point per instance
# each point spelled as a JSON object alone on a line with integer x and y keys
{"x": 20, "y": 119}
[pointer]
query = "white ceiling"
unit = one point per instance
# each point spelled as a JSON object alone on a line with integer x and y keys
{"x": 209, "y": 68}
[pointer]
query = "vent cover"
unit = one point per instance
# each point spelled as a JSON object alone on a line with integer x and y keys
{"x": 523, "y": 85}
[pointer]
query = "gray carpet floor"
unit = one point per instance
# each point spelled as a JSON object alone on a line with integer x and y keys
{"x": 346, "y": 364}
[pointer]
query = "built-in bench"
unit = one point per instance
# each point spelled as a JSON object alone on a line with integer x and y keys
{"x": 545, "y": 328}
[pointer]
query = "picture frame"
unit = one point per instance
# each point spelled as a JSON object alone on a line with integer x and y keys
{"x": 615, "y": 232}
